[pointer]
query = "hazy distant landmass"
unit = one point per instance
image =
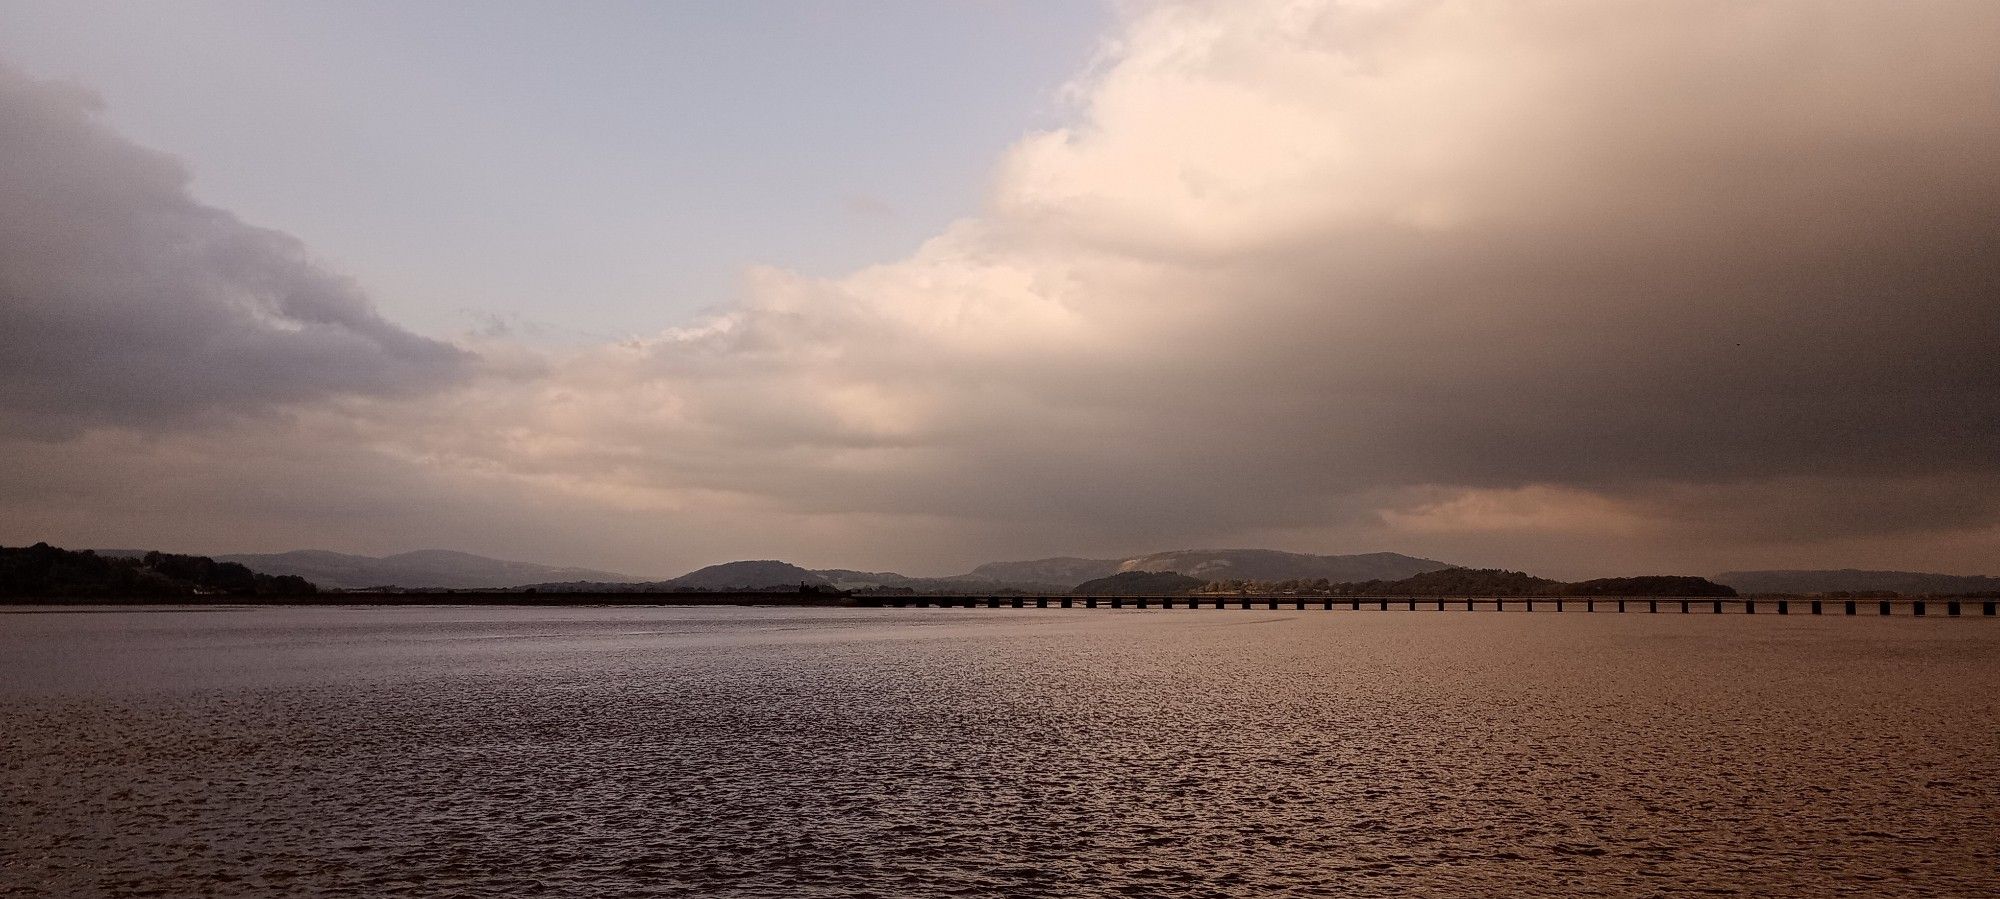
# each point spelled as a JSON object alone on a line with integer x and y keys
{"x": 758, "y": 574}
{"x": 846, "y": 579}
{"x": 441, "y": 569}
{"x": 1273, "y": 565}
{"x": 1851, "y": 580}
{"x": 435, "y": 569}
{"x": 44, "y": 571}
{"x": 849, "y": 579}
{"x": 1065, "y": 570}
{"x": 1140, "y": 583}
{"x": 425, "y": 568}
{"x": 1495, "y": 582}
{"x": 1177, "y": 571}
{"x": 1213, "y": 565}
{"x": 1065, "y": 573}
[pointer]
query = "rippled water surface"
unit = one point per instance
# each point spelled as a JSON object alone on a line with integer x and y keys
{"x": 930, "y": 752}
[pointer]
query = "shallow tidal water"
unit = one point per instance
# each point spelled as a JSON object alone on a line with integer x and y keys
{"x": 479, "y": 751}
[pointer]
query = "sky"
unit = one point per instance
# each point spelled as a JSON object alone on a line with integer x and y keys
{"x": 576, "y": 172}
{"x": 1577, "y": 288}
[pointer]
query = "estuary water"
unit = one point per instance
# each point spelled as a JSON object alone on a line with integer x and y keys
{"x": 480, "y": 751}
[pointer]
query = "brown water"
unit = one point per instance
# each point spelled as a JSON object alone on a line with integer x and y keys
{"x": 792, "y": 752}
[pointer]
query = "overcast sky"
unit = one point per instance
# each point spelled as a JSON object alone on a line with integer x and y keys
{"x": 1579, "y": 288}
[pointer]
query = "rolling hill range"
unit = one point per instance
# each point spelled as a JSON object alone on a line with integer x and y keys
{"x": 1211, "y": 565}
{"x": 1064, "y": 572}
{"x": 422, "y": 568}
{"x": 1272, "y": 565}
{"x": 437, "y": 569}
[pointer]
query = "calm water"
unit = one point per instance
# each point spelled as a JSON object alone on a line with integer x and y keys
{"x": 787, "y": 752}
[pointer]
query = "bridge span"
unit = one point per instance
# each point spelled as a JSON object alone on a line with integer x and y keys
{"x": 1682, "y": 605}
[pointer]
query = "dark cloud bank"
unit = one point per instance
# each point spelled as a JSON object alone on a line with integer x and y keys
{"x": 124, "y": 301}
{"x": 1564, "y": 286}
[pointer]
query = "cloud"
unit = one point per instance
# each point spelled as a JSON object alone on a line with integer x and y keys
{"x": 123, "y": 301}
{"x": 1294, "y": 257}
{"x": 1567, "y": 285}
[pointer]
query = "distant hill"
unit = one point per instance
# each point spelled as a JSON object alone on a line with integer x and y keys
{"x": 1061, "y": 570}
{"x": 1500, "y": 582}
{"x": 1141, "y": 583}
{"x": 1258, "y": 570}
{"x": 445, "y": 569}
{"x": 756, "y": 575}
{"x": 1649, "y": 585}
{"x": 1058, "y": 574}
{"x": 422, "y": 568}
{"x": 748, "y": 575}
{"x": 46, "y": 572}
{"x": 1208, "y": 565}
{"x": 848, "y": 579}
{"x": 1850, "y": 580}
{"x": 1272, "y": 565}
{"x": 845, "y": 579}
{"x": 1457, "y": 582}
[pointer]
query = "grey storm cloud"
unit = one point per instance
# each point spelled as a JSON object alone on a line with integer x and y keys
{"x": 1306, "y": 267}
{"x": 1575, "y": 286}
{"x": 125, "y": 301}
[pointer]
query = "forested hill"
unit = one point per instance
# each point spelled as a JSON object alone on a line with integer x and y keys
{"x": 1140, "y": 583}
{"x": 46, "y": 572}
